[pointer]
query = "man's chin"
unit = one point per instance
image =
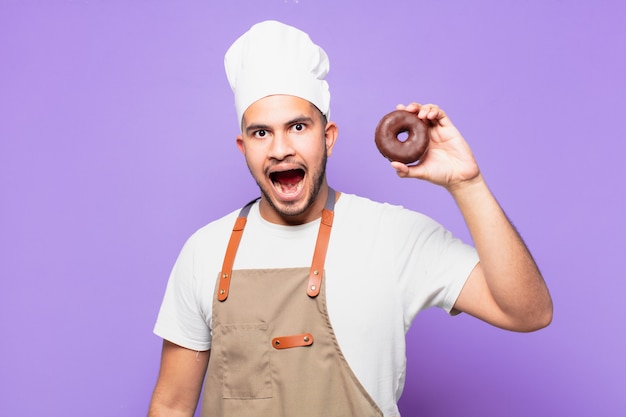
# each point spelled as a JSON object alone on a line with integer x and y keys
{"x": 289, "y": 208}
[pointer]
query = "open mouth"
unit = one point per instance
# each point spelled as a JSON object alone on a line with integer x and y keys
{"x": 287, "y": 182}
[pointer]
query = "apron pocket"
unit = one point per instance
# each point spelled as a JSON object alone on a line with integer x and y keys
{"x": 246, "y": 361}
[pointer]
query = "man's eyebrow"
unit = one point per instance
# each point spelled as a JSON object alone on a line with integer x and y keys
{"x": 299, "y": 119}
{"x": 254, "y": 127}
{"x": 259, "y": 126}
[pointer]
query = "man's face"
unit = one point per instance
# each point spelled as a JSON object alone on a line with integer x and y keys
{"x": 286, "y": 143}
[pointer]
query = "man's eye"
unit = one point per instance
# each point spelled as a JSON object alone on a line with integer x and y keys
{"x": 260, "y": 133}
{"x": 298, "y": 127}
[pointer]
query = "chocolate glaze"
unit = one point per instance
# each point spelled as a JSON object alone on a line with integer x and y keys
{"x": 392, "y": 148}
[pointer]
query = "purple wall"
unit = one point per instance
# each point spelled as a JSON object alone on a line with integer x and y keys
{"x": 117, "y": 141}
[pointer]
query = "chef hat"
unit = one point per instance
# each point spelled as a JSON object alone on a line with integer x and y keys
{"x": 274, "y": 58}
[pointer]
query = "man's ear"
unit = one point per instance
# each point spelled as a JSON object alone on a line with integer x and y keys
{"x": 240, "y": 144}
{"x": 330, "y": 133}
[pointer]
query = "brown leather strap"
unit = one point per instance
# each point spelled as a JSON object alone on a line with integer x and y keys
{"x": 229, "y": 258}
{"x": 297, "y": 340}
{"x": 319, "y": 256}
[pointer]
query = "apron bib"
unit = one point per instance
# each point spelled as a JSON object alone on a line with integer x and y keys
{"x": 274, "y": 352}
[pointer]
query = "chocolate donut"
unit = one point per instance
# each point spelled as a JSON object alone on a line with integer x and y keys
{"x": 394, "y": 149}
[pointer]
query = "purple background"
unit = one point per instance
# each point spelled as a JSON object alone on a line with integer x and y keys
{"x": 117, "y": 141}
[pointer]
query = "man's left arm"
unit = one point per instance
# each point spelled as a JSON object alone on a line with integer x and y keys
{"x": 506, "y": 288}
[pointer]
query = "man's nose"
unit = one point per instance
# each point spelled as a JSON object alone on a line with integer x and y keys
{"x": 281, "y": 146}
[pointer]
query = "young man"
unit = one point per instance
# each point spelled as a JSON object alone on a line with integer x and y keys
{"x": 298, "y": 304}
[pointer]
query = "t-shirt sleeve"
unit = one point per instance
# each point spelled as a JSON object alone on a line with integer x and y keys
{"x": 181, "y": 320}
{"x": 459, "y": 261}
{"x": 442, "y": 261}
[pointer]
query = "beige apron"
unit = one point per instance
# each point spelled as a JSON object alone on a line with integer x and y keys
{"x": 274, "y": 352}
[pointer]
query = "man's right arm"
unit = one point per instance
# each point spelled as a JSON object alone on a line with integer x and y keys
{"x": 180, "y": 380}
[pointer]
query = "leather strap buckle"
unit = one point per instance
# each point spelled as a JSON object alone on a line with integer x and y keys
{"x": 297, "y": 340}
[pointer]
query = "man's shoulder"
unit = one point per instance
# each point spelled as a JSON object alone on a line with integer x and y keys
{"x": 355, "y": 204}
{"x": 215, "y": 230}
{"x": 383, "y": 214}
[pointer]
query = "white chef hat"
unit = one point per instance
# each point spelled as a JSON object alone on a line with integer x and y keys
{"x": 274, "y": 58}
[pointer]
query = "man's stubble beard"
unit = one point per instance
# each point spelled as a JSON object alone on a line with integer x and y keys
{"x": 316, "y": 185}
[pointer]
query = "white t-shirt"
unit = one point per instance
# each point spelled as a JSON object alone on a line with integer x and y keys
{"x": 384, "y": 265}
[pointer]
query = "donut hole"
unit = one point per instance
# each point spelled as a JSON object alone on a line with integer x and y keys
{"x": 403, "y": 135}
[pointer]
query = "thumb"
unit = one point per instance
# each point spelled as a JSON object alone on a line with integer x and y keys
{"x": 406, "y": 171}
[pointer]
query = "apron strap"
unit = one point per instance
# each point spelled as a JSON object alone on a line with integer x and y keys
{"x": 231, "y": 251}
{"x": 319, "y": 256}
{"x": 321, "y": 246}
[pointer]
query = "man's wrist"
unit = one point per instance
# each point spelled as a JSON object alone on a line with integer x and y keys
{"x": 467, "y": 187}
